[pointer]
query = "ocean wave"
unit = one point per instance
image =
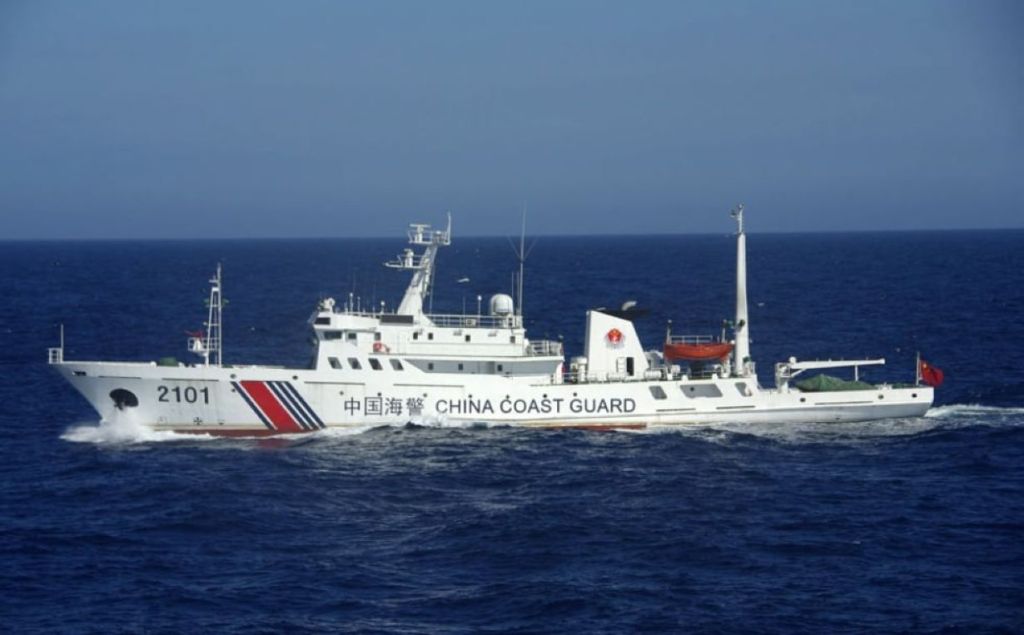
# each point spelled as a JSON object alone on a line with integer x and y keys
{"x": 949, "y": 417}
{"x": 124, "y": 432}
{"x": 338, "y": 432}
{"x": 785, "y": 432}
{"x": 971, "y": 410}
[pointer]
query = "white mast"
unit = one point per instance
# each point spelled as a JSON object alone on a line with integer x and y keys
{"x": 522, "y": 262}
{"x": 214, "y": 334}
{"x": 422, "y": 265}
{"x": 211, "y": 343}
{"x": 741, "y": 350}
{"x": 522, "y": 253}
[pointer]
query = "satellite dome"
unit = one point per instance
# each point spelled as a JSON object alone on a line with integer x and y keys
{"x": 501, "y": 304}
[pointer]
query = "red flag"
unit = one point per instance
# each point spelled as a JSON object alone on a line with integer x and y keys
{"x": 931, "y": 375}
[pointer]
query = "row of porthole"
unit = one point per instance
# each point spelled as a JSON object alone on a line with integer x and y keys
{"x": 499, "y": 368}
{"x": 913, "y": 395}
{"x": 659, "y": 393}
{"x": 355, "y": 365}
{"x": 430, "y": 336}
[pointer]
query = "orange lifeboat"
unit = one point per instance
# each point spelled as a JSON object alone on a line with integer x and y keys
{"x": 697, "y": 352}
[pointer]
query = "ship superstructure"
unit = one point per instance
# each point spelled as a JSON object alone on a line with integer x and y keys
{"x": 432, "y": 344}
{"x": 374, "y": 367}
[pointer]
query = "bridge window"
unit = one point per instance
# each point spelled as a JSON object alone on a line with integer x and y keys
{"x": 658, "y": 392}
{"x": 397, "y": 365}
{"x": 322, "y": 320}
{"x": 332, "y": 335}
{"x": 375, "y": 363}
{"x": 335, "y": 364}
{"x": 354, "y": 363}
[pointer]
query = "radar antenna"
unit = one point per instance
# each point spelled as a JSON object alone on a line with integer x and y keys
{"x": 421, "y": 264}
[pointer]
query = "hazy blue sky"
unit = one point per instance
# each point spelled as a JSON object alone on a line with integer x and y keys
{"x": 133, "y": 118}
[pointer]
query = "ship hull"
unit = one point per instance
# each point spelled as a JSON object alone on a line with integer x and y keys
{"x": 263, "y": 401}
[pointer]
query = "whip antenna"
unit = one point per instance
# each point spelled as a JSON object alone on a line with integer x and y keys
{"x": 522, "y": 253}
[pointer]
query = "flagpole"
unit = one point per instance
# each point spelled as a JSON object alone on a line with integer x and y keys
{"x": 917, "y": 370}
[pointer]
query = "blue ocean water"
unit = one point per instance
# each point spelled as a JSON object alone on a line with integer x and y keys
{"x": 913, "y": 525}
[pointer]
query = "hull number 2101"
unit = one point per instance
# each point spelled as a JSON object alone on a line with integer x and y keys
{"x": 188, "y": 394}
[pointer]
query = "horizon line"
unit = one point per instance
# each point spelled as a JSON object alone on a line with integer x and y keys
{"x": 471, "y": 235}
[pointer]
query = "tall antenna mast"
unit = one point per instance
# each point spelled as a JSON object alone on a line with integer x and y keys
{"x": 214, "y": 332}
{"x": 522, "y": 261}
{"x": 210, "y": 343}
{"x": 522, "y": 253}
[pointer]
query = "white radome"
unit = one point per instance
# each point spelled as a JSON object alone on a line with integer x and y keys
{"x": 502, "y": 304}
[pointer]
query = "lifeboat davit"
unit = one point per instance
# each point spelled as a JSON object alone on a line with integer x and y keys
{"x": 697, "y": 352}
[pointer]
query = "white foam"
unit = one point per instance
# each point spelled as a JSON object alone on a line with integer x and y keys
{"x": 971, "y": 410}
{"x": 127, "y": 431}
{"x": 442, "y": 421}
{"x": 123, "y": 431}
{"x": 342, "y": 431}
{"x": 828, "y": 432}
{"x": 940, "y": 418}
{"x": 783, "y": 432}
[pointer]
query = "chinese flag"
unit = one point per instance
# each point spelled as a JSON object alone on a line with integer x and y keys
{"x": 931, "y": 375}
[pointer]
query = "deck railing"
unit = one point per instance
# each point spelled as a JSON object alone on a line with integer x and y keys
{"x": 473, "y": 321}
{"x": 451, "y": 320}
{"x": 691, "y": 339}
{"x": 545, "y": 347}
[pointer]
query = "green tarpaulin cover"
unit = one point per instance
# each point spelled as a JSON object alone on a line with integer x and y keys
{"x": 827, "y": 383}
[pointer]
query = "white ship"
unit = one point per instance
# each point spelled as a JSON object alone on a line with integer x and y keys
{"x": 378, "y": 368}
